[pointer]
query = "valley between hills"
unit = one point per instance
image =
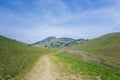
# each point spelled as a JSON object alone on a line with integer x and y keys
{"x": 61, "y": 59}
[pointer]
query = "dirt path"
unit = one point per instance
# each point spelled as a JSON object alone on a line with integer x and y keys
{"x": 43, "y": 70}
{"x": 46, "y": 69}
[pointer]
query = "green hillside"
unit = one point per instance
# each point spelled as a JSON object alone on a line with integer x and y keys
{"x": 75, "y": 66}
{"x": 110, "y": 42}
{"x": 104, "y": 49}
{"x": 17, "y": 59}
{"x": 94, "y": 59}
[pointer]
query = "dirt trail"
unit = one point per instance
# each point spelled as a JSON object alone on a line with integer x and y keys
{"x": 43, "y": 70}
{"x": 46, "y": 69}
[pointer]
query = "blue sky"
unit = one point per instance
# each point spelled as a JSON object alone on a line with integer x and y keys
{"x": 33, "y": 20}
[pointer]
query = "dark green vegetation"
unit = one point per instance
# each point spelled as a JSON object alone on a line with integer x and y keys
{"x": 86, "y": 70}
{"x": 17, "y": 59}
{"x": 104, "y": 50}
{"x": 53, "y": 42}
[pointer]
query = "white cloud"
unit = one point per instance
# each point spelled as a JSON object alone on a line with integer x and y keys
{"x": 54, "y": 18}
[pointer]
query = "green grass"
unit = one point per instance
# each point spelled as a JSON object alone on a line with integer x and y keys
{"x": 88, "y": 71}
{"x": 109, "y": 43}
{"x": 103, "y": 56}
{"x": 17, "y": 59}
{"x": 105, "y": 48}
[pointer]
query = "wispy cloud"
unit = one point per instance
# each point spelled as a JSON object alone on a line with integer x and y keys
{"x": 30, "y": 21}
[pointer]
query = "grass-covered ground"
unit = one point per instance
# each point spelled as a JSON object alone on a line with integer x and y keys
{"x": 86, "y": 70}
{"x": 17, "y": 59}
{"x": 106, "y": 49}
{"x": 97, "y": 59}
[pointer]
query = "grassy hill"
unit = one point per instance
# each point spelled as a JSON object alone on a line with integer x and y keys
{"x": 53, "y": 42}
{"x": 109, "y": 41}
{"x": 17, "y": 59}
{"x": 104, "y": 49}
{"x": 97, "y": 59}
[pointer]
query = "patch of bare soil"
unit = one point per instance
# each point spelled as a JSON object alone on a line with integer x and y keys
{"x": 45, "y": 69}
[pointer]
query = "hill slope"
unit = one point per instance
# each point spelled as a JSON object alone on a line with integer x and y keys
{"x": 105, "y": 48}
{"x": 109, "y": 41}
{"x": 16, "y": 59}
{"x": 53, "y": 42}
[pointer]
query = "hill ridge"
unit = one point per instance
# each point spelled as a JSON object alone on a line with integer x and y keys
{"x": 54, "y": 42}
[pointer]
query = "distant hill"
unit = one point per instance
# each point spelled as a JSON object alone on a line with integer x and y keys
{"x": 105, "y": 48}
{"x": 17, "y": 58}
{"x": 53, "y": 42}
{"x": 106, "y": 42}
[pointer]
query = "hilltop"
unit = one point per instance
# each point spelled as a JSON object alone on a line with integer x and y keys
{"x": 53, "y": 42}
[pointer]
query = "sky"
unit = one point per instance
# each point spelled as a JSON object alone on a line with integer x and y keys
{"x": 33, "y": 20}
